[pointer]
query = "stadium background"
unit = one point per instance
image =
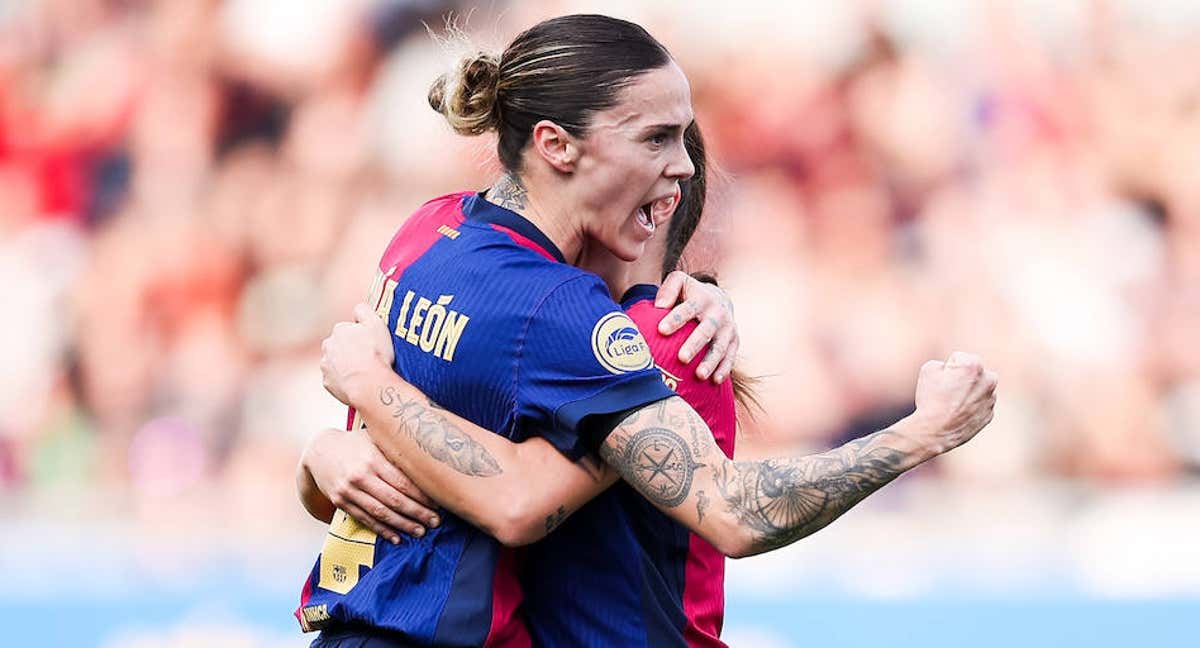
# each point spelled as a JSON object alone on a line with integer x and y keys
{"x": 191, "y": 192}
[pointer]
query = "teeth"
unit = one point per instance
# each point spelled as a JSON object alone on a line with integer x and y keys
{"x": 644, "y": 217}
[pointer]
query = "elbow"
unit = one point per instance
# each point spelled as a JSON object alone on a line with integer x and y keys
{"x": 516, "y": 537}
{"x": 516, "y": 534}
{"x": 734, "y": 540}
{"x": 736, "y": 547}
{"x": 516, "y": 524}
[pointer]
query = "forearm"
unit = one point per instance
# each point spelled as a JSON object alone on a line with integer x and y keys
{"x": 515, "y": 492}
{"x": 780, "y": 500}
{"x": 749, "y": 507}
{"x": 314, "y": 501}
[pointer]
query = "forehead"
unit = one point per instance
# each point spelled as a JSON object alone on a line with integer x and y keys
{"x": 659, "y": 96}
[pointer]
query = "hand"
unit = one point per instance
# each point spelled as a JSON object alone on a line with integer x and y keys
{"x": 710, "y": 306}
{"x": 358, "y": 479}
{"x": 355, "y": 349}
{"x": 957, "y": 398}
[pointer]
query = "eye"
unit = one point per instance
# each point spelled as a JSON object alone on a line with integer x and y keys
{"x": 658, "y": 139}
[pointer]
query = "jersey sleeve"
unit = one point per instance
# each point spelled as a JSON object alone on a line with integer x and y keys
{"x": 582, "y": 361}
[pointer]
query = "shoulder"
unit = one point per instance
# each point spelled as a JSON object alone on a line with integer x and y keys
{"x": 708, "y": 399}
{"x": 447, "y": 208}
{"x": 568, "y": 296}
{"x": 430, "y": 222}
{"x": 664, "y": 348}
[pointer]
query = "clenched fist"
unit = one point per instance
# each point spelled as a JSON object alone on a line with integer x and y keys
{"x": 956, "y": 398}
{"x": 354, "y": 349}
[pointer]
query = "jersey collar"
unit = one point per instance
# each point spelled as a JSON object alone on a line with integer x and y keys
{"x": 637, "y": 293}
{"x": 477, "y": 208}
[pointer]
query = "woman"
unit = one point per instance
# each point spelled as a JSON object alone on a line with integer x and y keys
{"x": 683, "y": 574}
{"x": 591, "y": 113}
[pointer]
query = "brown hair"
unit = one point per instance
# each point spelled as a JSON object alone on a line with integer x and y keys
{"x": 563, "y": 69}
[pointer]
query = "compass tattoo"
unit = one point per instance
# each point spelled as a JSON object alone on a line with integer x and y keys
{"x": 661, "y": 465}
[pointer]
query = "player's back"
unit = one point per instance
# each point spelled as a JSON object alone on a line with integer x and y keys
{"x": 475, "y": 298}
{"x": 456, "y": 325}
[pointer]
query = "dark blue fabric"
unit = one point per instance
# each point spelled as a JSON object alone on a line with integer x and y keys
{"x": 560, "y": 385}
{"x": 607, "y": 578}
{"x": 478, "y": 209}
{"x": 613, "y": 573}
{"x": 358, "y": 637}
{"x": 637, "y": 293}
{"x": 524, "y": 364}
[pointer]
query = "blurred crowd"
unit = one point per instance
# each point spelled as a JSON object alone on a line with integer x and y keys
{"x": 192, "y": 192}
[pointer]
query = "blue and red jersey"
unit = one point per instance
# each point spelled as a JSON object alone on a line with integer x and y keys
{"x": 619, "y": 572}
{"x": 492, "y": 325}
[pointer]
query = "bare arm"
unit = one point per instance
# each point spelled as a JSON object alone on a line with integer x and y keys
{"x": 666, "y": 453}
{"x": 749, "y": 507}
{"x": 339, "y": 469}
{"x": 515, "y": 492}
{"x": 314, "y": 501}
{"x": 665, "y": 450}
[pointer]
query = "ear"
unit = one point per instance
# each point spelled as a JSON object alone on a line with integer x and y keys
{"x": 555, "y": 145}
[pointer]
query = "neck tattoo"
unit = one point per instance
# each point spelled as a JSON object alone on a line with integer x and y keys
{"x": 509, "y": 193}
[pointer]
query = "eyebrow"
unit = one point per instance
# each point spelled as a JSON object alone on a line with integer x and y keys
{"x": 670, "y": 128}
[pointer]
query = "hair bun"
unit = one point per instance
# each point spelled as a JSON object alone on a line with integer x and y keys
{"x": 467, "y": 97}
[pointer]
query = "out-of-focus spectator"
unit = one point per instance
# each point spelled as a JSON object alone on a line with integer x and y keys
{"x": 192, "y": 192}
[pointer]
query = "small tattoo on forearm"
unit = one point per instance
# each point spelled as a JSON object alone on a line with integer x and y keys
{"x": 387, "y": 395}
{"x": 701, "y": 504}
{"x": 555, "y": 519}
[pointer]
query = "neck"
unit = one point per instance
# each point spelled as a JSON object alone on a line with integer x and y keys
{"x": 620, "y": 275}
{"x": 648, "y": 268}
{"x": 521, "y": 195}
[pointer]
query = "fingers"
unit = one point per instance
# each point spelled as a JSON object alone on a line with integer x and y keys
{"x": 402, "y": 512}
{"x": 669, "y": 291}
{"x": 932, "y": 365}
{"x": 990, "y": 379}
{"x": 418, "y": 505}
{"x": 965, "y": 360}
{"x": 362, "y": 517}
{"x": 700, "y": 337}
{"x": 680, "y": 315}
{"x": 725, "y": 369}
{"x": 717, "y": 354}
{"x": 383, "y": 509}
{"x": 364, "y": 313}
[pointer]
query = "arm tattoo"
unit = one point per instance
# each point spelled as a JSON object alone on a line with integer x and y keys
{"x": 658, "y": 463}
{"x": 509, "y": 193}
{"x": 654, "y": 459}
{"x": 783, "y": 500}
{"x": 438, "y": 437}
{"x": 778, "y": 500}
{"x": 552, "y": 521}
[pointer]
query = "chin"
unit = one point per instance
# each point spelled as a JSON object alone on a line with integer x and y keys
{"x": 630, "y": 252}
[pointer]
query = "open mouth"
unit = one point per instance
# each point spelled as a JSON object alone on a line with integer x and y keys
{"x": 643, "y": 217}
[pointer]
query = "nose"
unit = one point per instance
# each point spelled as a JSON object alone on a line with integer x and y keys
{"x": 680, "y": 167}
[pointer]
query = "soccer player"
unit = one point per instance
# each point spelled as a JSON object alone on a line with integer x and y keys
{"x": 485, "y": 318}
{"x": 676, "y": 583}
